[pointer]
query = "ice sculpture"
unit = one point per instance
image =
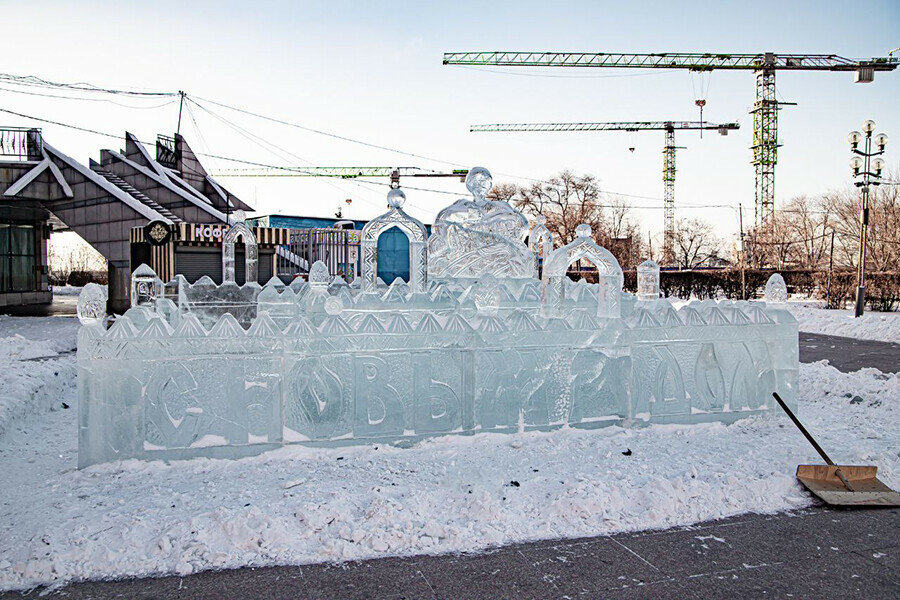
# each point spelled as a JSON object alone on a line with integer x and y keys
{"x": 776, "y": 290}
{"x": 648, "y": 280}
{"x": 540, "y": 241}
{"x": 554, "y": 278}
{"x": 413, "y": 229}
{"x": 239, "y": 230}
{"x": 228, "y": 371}
{"x": 471, "y": 238}
{"x": 91, "y": 307}
{"x": 146, "y": 287}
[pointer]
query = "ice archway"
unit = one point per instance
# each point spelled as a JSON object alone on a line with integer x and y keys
{"x": 239, "y": 230}
{"x": 553, "y": 281}
{"x": 416, "y": 233}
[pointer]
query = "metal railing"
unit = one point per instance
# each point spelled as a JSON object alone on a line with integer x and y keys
{"x": 21, "y": 144}
{"x": 167, "y": 151}
{"x": 337, "y": 248}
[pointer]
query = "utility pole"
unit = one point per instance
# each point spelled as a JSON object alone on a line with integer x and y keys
{"x": 743, "y": 255}
{"x": 180, "y": 107}
{"x": 830, "y": 270}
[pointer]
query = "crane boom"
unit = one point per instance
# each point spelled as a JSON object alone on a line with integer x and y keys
{"x": 614, "y": 126}
{"x": 694, "y": 61}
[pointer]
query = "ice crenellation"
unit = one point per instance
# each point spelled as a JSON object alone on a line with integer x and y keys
{"x": 226, "y": 370}
{"x": 282, "y": 305}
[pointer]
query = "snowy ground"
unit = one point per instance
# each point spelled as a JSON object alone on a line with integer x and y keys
{"x": 813, "y": 318}
{"x": 299, "y": 505}
{"x": 35, "y": 385}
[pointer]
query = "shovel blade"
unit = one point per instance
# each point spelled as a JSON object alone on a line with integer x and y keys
{"x": 822, "y": 481}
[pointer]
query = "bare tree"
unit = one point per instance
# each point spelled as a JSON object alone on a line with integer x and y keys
{"x": 696, "y": 245}
{"x": 505, "y": 192}
{"x": 67, "y": 259}
{"x": 569, "y": 200}
{"x": 620, "y": 233}
{"x": 566, "y": 200}
{"x": 882, "y": 242}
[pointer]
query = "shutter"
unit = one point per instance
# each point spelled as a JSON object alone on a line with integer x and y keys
{"x": 195, "y": 262}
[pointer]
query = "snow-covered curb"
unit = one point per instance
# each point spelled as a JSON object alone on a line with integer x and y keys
{"x": 879, "y": 326}
{"x": 299, "y": 505}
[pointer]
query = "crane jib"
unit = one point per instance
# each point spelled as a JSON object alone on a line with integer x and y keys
{"x": 692, "y": 61}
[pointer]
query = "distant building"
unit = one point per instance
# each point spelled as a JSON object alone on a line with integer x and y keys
{"x": 336, "y": 243}
{"x": 102, "y": 202}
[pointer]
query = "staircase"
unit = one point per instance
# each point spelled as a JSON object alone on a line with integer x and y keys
{"x": 135, "y": 193}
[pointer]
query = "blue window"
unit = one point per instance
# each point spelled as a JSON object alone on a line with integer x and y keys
{"x": 393, "y": 255}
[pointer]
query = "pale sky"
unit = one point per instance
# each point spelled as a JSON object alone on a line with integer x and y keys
{"x": 372, "y": 71}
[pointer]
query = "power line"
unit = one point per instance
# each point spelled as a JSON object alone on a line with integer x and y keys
{"x": 266, "y": 145}
{"x": 327, "y": 134}
{"x": 167, "y": 103}
{"x": 60, "y": 124}
{"x": 33, "y": 81}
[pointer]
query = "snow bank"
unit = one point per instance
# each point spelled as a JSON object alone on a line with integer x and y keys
{"x": 879, "y": 326}
{"x": 33, "y": 375}
{"x": 67, "y": 290}
{"x": 300, "y": 505}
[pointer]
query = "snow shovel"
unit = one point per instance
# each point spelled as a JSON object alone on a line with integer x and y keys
{"x": 841, "y": 485}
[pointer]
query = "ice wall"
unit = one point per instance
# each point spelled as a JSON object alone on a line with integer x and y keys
{"x": 333, "y": 365}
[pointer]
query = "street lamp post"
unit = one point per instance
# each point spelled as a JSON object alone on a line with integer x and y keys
{"x": 867, "y": 172}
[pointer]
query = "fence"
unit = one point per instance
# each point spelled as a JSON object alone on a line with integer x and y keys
{"x": 21, "y": 144}
{"x": 337, "y": 248}
{"x": 882, "y": 288}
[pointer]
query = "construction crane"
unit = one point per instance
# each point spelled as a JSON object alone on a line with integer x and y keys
{"x": 668, "y": 155}
{"x": 765, "y": 109}
{"x": 341, "y": 172}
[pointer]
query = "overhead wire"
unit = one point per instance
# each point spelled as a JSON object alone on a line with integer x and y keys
{"x": 327, "y": 134}
{"x": 87, "y": 87}
{"x": 268, "y": 146}
{"x": 284, "y": 168}
{"x": 27, "y": 93}
{"x": 33, "y": 81}
{"x": 194, "y": 99}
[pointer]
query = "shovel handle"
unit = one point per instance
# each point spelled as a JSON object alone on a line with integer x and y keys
{"x": 803, "y": 430}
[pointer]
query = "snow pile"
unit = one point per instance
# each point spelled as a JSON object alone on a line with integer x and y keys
{"x": 879, "y": 326}
{"x": 33, "y": 375}
{"x": 299, "y": 505}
